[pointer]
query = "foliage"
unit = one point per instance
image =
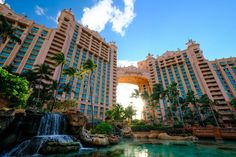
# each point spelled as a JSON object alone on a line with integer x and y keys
{"x": 87, "y": 68}
{"x": 14, "y": 88}
{"x": 129, "y": 112}
{"x": 63, "y": 104}
{"x": 176, "y": 130}
{"x": 59, "y": 59}
{"x": 40, "y": 82}
{"x": 7, "y": 31}
{"x": 233, "y": 102}
{"x": 117, "y": 112}
{"x": 102, "y": 128}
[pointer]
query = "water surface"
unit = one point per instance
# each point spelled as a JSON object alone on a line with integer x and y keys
{"x": 163, "y": 148}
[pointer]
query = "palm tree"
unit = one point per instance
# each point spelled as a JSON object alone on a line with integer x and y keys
{"x": 117, "y": 112}
{"x": 151, "y": 103}
{"x": 190, "y": 98}
{"x": 30, "y": 76}
{"x": 72, "y": 73}
{"x": 7, "y": 31}
{"x": 59, "y": 59}
{"x": 43, "y": 73}
{"x": 207, "y": 102}
{"x": 135, "y": 94}
{"x": 89, "y": 67}
{"x": 157, "y": 94}
{"x": 172, "y": 93}
{"x": 233, "y": 102}
{"x": 130, "y": 112}
{"x": 9, "y": 68}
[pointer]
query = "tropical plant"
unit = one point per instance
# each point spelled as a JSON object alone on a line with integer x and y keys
{"x": 31, "y": 76}
{"x": 116, "y": 113}
{"x": 172, "y": 93}
{"x": 233, "y": 102}
{"x": 135, "y": 94}
{"x": 9, "y": 68}
{"x": 65, "y": 104}
{"x": 207, "y": 104}
{"x": 43, "y": 74}
{"x": 88, "y": 67}
{"x": 130, "y": 112}
{"x": 59, "y": 59}
{"x": 7, "y": 31}
{"x": 102, "y": 128}
{"x": 71, "y": 73}
{"x": 14, "y": 88}
{"x": 191, "y": 98}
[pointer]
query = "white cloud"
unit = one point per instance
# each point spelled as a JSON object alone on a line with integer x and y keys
{"x": 126, "y": 63}
{"x": 121, "y": 20}
{"x": 53, "y": 18}
{"x": 97, "y": 17}
{"x": 39, "y": 10}
{"x": 3, "y": 1}
{"x": 104, "y": 12}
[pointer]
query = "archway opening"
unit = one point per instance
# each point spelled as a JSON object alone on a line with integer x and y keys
{"x": 124, "y": 91}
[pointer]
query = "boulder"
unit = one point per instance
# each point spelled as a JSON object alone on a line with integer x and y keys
{"x": 113, "y": 139}
{"x": 99, "y": 140}
{"x": 76, "y": 118}
{"x": 165, "y": 136}
{"x": 54, "y": 147}
{"x": 126, "y": 132}
{"x": 6, "y": 117}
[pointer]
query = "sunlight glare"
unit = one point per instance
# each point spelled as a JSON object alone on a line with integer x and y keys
{"x": 124, "y": 91}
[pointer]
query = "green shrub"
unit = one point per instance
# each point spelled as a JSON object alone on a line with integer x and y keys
{"x": 102, "y": 128}
{"x": 14, "y": 88}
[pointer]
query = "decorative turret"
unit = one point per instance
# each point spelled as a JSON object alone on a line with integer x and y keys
{"x": 191, "y": 43}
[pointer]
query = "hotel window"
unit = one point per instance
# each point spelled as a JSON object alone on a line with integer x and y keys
{"x": 44, "y": 33}
{"x": 34, "y": 30}
{"x": 82, "y": 107}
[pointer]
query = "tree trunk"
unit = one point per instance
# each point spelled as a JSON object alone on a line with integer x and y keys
{"x": 199, "y": 115}
{"x": 212, "y": 111}
{"x": 58, "y": 87}
{"x": 91, "y": 96}
{"x": 38, "y": 97}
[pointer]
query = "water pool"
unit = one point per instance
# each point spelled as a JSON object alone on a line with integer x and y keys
{"x": 163, "y": 148}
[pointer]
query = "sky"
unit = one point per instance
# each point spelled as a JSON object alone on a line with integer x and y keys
{"x": 124, "y": 91}
{"x": 140, "y": 27}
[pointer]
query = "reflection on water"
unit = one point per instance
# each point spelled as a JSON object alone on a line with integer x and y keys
{"x": 158, "y": 148}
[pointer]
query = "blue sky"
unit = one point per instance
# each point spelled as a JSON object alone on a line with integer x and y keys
{"x": 142, "y": 26}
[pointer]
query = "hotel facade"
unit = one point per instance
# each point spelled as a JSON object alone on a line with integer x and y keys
{"x": 78, "y": 43}
{"x": 192, "y": 71}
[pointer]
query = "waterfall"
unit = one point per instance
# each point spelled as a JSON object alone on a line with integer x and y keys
{"x": 32, "y": 147}
{"x": 52, "y": 124}
{"x": 50, "y": 129}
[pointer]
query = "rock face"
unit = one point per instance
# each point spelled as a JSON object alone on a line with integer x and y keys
{"x": 6, "y": 117}
{"x": 21, "y": 126}
{"x": 126, "y": 132}
{"x": 55, "y": 147}
{"x": 99, "y": 140}
{"x": 76, "y": 121}
{"x": 113, "y": 139}
{"x": 165, "y": 136}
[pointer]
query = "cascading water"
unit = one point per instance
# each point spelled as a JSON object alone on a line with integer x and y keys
{"x": 50, "y": 129}
{"x": 52, "y": 124}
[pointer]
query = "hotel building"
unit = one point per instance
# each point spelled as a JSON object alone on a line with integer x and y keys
{"x": 78, "y": 43}
{"x": 193, "y": 72}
